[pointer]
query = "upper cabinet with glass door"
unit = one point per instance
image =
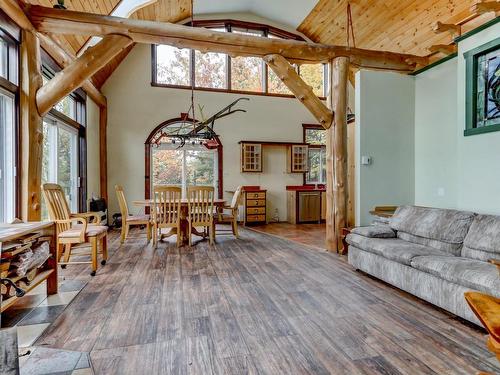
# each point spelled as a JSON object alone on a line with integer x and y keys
{"x": 251, "y": 157}
{"x": 297, "y": 159}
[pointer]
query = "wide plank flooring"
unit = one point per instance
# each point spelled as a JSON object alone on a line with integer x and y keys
{"x": 258, "y": 305}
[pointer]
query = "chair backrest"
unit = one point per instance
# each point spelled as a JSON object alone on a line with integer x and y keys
{"x": 167, "y": 205}
{"x": 57, "y": 205}
{"x": 200, "y": 203}
{"x": 122, "y": 201}
{"x": 236, "y": 197}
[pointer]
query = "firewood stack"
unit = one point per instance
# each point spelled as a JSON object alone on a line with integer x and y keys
{"x": 21, "y": 261}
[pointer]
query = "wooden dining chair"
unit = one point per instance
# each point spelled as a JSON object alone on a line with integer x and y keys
{"x": 130, "y": 220}
{"x": 201, "y": 210}
{"x": 166, "y": 211}
{"x": 74, "y": 229}
{"x": 231, "y": 217}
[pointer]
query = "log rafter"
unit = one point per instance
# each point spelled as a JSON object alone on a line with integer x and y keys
{"x": 441, "y": 27}
{"x": 485, "y": 7}
{"x": 64, "y": 21}
{"x": 446, "y": 49}
{"x": 63, "y": 58}
{"x": 300, "y": 89}
{"x": 72, "y": 77}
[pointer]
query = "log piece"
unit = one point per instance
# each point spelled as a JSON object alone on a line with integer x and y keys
{"x": 51, "y": 20}
{"x": 336, "y": 156}
{"x": 73, "y": 76}
{"x": 31, "y": 127}
{"x": 300, "y": 89}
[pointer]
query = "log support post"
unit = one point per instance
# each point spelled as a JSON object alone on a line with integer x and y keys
{"x": 336, "y": 155}
{"x": 31, "y": 127}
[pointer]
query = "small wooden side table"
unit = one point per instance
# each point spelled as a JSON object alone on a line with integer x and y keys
{"x": 487, "y": 310}
{"x": 345, "y": 232}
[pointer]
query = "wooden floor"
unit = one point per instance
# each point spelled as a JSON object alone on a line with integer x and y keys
{"x": 308, "y": 234}
{"x": 258, "y": 305}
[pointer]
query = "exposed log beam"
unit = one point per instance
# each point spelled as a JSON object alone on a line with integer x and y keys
{"x": 300, "y": 89}
{"x": 336, "y": 156}
{"x": 440, "y": 27}
{"x": 14, "y": 11}
{"x": 73, "y": 76}
{"x": 31, "y": 127}
{"x": 485, "y": 7}
{"x": 64, "y": 59}
{"x": 69, "y": 22}
{"x": 447, "y": 49}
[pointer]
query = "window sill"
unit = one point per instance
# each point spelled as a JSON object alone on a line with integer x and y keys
{"x": 226, "y": 91}
{"x": 482, "y": 130}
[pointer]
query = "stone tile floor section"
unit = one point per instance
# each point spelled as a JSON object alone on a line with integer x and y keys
{"x": 31, "y": 315}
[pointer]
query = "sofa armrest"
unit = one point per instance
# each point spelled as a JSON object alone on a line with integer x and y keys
{"x": 375, "y": 231}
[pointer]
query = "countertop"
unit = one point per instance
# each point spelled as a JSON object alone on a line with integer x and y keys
{"x": 305, "y": 188}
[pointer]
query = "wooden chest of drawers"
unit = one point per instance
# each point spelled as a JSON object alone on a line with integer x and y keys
{"x": 255, "y": 207}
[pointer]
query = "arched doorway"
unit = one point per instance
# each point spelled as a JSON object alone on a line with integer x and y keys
{"x": 167, "y": 162}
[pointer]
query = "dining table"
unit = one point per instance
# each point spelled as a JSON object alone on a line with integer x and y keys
{"x": 184, "y": 227}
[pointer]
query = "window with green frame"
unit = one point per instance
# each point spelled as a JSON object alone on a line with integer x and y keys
{"x": 483, "y": 88}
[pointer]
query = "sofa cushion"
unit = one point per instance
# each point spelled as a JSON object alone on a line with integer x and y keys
{"x": 375, "y": 231}
{"x": 483, "y": 239}
{"x": 470, "y": 273}
{"x": 391, "y": 248}
{"x": 450, "y": 248}
{"x": 448, "y": 226}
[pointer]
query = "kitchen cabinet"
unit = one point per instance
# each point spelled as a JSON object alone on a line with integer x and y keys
{"x": 255, "y": 207}
{"x": 297, "y": 159}
{"x": 251, "y": 157}
{"x": 306, "y": 206}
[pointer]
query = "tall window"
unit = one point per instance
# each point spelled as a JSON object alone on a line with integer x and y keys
{"x": 186, "y": 166}
{"x": 190, "y": 165}
{"x": 8, "y": 126}
{"x": 182, "y": 67}
{"x": 60, "y": 158}
{"x": 315, "y": 136}
{"x": 64, "y": 147}
{"x": 7, "y": 157}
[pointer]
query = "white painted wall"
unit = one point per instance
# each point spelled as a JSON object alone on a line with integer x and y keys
{"x": 93, "y": 179}
{"x": 478, "y": 155}
{"x": 384, "y": 131}
{"x": 467, "y": 168}
{"x": 436, "y": 136}
{"x": 135, "y": 109}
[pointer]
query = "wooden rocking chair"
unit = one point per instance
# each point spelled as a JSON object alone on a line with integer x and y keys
{"x": 74, "y": 229}
{"x": 201, "y": 210}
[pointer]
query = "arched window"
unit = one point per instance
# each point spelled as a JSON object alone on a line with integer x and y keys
{"x": 169, "y": 162}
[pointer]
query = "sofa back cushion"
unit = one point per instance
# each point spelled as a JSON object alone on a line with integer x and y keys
{"x": 441, "y": 229}
{"x": 483, "y": 240}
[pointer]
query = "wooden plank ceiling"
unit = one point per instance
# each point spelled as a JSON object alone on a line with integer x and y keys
{"x": 403, "y": 26}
